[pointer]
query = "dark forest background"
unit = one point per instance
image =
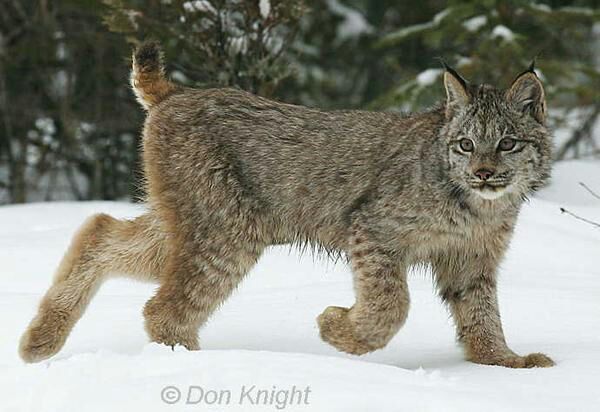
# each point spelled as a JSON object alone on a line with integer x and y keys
{"x": 70, "y": 127}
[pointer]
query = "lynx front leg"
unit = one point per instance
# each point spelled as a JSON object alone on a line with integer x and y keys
{"x": 470, "y": 291}
{"x": 381, "y": 305}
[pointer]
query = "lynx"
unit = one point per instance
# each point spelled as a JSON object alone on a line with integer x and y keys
{"x": 230, "y": 173}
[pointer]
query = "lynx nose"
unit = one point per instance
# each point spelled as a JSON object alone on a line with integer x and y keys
{"x": 484, "y": 174}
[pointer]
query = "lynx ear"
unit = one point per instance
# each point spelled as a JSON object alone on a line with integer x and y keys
{"x": 527, "y": 93}
{"x": 457, "y": 95}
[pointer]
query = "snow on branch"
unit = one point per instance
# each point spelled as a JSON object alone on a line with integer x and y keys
{"x": 406, "y": 32}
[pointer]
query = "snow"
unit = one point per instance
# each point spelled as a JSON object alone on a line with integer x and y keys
{"x": 203, "y": 6}
{"x": 354, "y": 23}
{"x": 46, "y": 125}
{"x": 265, "y": 8}
{"x": 133, "y": 15}
{"x": 179, "y": 77}
{"x": 503, "y": 32}
{"x": 584, "y": 11}
{"x": 238, "y": 45}
{"x": 440, "y": 16}
{"x": 265, "y": 336}
{"x": 428, "y": 77}
{"x": 541, "y": 7}
{"x": 59, "y": 83}
{"x": 475, "y": 23}
{"x": 462, "y": 61}
{"x": 408, "y": 31}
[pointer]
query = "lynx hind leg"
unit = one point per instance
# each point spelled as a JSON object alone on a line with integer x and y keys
{"x": 102, "y": 245}
{"x": 196, "y": 281}
{"x": 381, "y": 305}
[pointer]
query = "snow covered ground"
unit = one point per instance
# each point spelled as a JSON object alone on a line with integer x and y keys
{"x": 266, "y": 336}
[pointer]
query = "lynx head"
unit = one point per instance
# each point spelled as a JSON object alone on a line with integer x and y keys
{"x": 497, "y": 139}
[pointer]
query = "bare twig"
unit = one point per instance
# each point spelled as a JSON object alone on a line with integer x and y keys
{"x": 563, "y": 210}
{"x": 589, "y": 190}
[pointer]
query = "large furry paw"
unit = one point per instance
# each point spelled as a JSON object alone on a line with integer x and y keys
{"x": 44, "y": 337}
{"x": 337, "y": 330}
{"x": 533, "y": 360}
{"x": 162, "y": 328}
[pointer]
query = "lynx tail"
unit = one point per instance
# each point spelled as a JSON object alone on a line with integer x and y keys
{"x": 148, "y": 75}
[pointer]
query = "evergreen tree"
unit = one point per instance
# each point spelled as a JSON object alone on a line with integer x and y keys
{"x": 68, "y": 123}
{"x": 337, "y": 65}
{"x": 215, "y": 42}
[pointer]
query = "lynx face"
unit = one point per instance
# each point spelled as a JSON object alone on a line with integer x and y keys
{"x": 497, "y": 141}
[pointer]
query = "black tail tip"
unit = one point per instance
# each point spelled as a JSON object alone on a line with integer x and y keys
{"x": 148, "y": 56}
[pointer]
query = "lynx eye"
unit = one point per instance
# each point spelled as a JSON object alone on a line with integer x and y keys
{"x": 507, "y": 144}
{"x": 466, "y": 145}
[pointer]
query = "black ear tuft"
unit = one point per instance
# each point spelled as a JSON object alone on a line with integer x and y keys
{"x": 443, "y": 62}
{"x": 453, "y": 72}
